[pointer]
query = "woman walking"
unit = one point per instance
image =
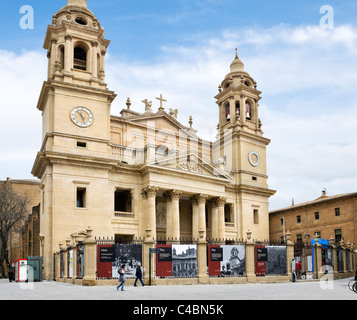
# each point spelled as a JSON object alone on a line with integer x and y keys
{"x": 122, "y": 278}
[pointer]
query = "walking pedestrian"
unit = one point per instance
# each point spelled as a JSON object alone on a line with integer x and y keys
{"x": 139, "y": 275}
{"x": 298, "y": 270}
{"x": 293, "y": 269}
{"x": 122, "y": 277}
{"x": 10, "y": 274}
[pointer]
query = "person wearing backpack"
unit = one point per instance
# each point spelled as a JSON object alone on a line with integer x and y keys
{"x": 122, "y": 278}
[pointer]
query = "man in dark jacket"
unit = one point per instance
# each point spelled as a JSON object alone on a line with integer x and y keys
{"x": 139, "y": 275}
{"x": 10, "y": 274}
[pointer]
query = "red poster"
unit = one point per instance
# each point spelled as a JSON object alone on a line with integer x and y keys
{"x": 260, "y": 260}
{"x": 214, "y": 263}
{"x": 104, "y": 269}
{"x": 164, "y": 260}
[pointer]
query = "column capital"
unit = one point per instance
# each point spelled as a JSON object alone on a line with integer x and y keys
{"x": 68, "y": 37}
{"x": 221, "y": 201}
{"x": 150, "y": 191}
{"x": 201, "y": 198}
{"x": 173, "y": 194}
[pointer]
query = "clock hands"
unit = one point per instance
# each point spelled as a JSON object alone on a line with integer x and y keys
{"x": 81, "y": 116}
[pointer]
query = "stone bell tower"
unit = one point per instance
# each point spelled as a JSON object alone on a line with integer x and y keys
{"x": 75, "y": 99}
{"x": 75, "y": 104}
{"x": 242, "y": 147}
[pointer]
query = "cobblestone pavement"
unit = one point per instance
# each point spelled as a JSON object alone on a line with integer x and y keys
{"x": 50, "y": 290}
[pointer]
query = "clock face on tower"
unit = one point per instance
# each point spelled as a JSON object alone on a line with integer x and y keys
{"x": 82, "y": 117}
{"x": 254, "y": 159}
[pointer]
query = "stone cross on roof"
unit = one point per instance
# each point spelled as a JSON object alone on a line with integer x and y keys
{"x": 161, "y": 100}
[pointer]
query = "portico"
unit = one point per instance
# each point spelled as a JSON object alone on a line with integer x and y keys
{"x": 200, "y": 212}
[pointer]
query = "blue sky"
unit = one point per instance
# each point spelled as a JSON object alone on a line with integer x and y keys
{"x": 139, "y": 28}
{"x": 183, "y": 49}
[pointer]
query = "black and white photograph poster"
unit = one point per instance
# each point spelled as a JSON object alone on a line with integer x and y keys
{"x": 276, "y": 262}
{"x": 233, "y": 263}
{"x": 184, "y": 261}
{"x": 128, "y": 254}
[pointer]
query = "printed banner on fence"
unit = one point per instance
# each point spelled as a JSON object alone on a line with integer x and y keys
{"x": 111, "y": 257}
{"x": 226, "y": 260}
{"x": 270, "y": 260}
{"x": 176, "y": 261}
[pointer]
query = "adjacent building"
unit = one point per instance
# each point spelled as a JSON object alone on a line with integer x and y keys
{"x": 22, "y": 241}
{"x": 327, "y": 216}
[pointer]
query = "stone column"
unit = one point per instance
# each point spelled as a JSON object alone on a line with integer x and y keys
{"x": 317, "y": 259}
{"x": 74, "y": 263}
{"x": 289, "y": 254}
{"x": 202, "y": 258}
{"x": 214, "y": 220}
{"x": 175, "y": 198}
{"x": 250, "y": 258}
{"x": 343, "y": 247}
{"x": 353, "y": 256}
{"x": 148, "y": 243}
{"x": 151, "y": 205}
{"x": 61, "y": 249}
{"x": 52, "y": 58}
{"x": 242, "y": 108}
{"x": 94, "y": 64}
{"x": 57, "y": 266}
{"x": 68, "y": 61}
{"x": 195, "y": 219}
{"x": 232, "y": 109}
{"x": 334, "y": 256}
{"x": 90, "y": 261}
{"x": 201, "y": 200}
{"x": 221, "y": 219}
{"x": 168, "y": 215}
{"x": 102, "y": 66}
{"x": 66, "y": 261}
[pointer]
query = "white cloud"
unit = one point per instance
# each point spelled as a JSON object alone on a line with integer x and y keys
{"x": 21, "y": 78}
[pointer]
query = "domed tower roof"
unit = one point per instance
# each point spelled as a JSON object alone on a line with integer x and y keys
{"x": 237, "y": 65}
{"x": 76, "y": 11}
{"x": 237, "y": 75}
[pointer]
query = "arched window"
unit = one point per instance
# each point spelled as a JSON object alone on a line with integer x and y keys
{"x": 80, "y": 58}
{"x": 98, "y": 65}
{"x": 162, "y": 151}
{"x": 61, "y": 56}
{"x": 228, "y": 111}
{"x": 81, "y": 21}
{"x": 248, "y": 110}
{"x": 237, "y": 108}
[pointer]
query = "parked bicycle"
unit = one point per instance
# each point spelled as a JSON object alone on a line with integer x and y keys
{"x": 352, "y": 285}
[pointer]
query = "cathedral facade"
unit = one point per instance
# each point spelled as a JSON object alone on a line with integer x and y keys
{"x": 124, "y": 175}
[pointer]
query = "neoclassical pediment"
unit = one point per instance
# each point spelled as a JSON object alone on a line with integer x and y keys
{"x": 190, "y": 163}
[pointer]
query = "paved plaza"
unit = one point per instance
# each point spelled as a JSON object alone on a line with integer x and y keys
{"x": 50, "y": 290}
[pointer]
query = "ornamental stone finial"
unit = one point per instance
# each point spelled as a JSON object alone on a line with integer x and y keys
{"x": 80, "y": 3}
